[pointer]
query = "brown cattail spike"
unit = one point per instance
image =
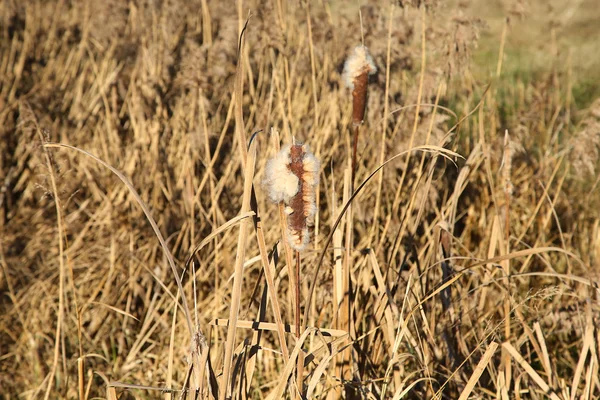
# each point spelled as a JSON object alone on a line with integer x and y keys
{"x": 297, "y": 227}
{"x": 359, "y": 98}
{"x": 356, "y": 73}
{"x": 292, "y": 176}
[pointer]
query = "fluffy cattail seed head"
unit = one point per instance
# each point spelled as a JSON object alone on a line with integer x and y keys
{"x": 292, "y": 177}
{"x": 357, "y": 69}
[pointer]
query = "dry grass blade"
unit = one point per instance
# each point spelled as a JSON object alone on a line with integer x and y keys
{"x": 530, "y": 371}
{"x": 277, "y": 393}
{"x": 401, "y": 392}
{"x": 232, "y": 222}
{"x": 115, "y": 309}
{"x": 588, "y": 342}
{"x": 481, "y": 365}
{"x": 268, "y": 326}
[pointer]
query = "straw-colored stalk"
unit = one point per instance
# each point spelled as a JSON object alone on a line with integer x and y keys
{"x": 508, "y": 191}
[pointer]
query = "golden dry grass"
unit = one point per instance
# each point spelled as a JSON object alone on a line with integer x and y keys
{"x": 465, "y": 265}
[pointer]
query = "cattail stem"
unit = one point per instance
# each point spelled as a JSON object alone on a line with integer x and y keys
{"x": 356, "y": 129}
{"x": 297, "y": 294}
{"x": 300, "y": 361}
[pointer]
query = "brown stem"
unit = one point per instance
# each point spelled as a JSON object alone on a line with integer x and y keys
{"x": 300, "y": 361}
{"x": 356, "y": 129}
{"x": 297, "y": 294}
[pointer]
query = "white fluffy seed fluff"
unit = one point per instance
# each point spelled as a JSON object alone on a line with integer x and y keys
{"x": 280, "y": 182}
{"x": 359, "y": 62}
{"x": 292, "y": 177}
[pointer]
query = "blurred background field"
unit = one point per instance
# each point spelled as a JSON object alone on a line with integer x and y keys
{"x": 490, "y": 259}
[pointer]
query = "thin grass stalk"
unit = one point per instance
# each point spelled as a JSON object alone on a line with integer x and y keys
{"x": 356, "y": 131}
{"x": 501, "y": 50}
{"x": 81, "y": 378}
{"x": 297, "y": 313}
{"x": 344, "y": 370}
{"x": 313, "y": 67}
{"x": 268, "y": 268}
{"x": 168, "y": 383}
{"x": 508, "y": 189}
{"x": 61, "y": 272}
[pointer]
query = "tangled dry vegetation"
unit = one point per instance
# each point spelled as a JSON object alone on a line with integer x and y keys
{"x": 467, "y": 267}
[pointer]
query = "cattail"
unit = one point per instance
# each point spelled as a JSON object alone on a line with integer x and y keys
{"x": 357, "y": 69}
{"x": 292, "y": 177}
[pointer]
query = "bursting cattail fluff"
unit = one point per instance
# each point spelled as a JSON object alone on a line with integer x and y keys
{"x": 357, "y": 69}
{"x": 292, "y": 177}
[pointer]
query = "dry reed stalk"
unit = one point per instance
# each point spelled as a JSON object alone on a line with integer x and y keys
{"x": 508, "y": 190}
{"x": 345, "y": 319}
{"x": 338, "y": 272}
{"x": 81, "y": 378}
{"x": 312, "y": 64}
{"x": 206, "y": 23}
{"x": 169, "y": 380}
{"x": 501, "y": 50}
{"x": 238, "y": 273}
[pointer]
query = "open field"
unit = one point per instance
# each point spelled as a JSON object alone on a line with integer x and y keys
{"x": 455, "y": 256}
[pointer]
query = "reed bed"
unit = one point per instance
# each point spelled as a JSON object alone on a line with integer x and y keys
{"x": 198, "y": 200}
